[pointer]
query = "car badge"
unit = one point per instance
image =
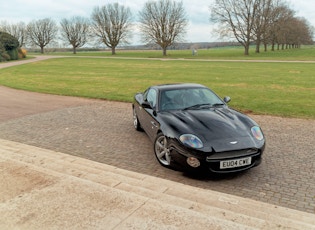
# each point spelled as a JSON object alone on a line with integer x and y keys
{"x": 233, "y": 142}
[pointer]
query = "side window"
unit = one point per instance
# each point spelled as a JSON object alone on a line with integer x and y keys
{"x": 151, "y": 97}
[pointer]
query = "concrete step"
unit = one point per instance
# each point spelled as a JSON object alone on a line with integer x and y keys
{"x": 222, "y": 210}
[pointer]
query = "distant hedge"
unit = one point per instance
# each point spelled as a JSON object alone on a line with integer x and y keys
{"x": 9, "y": 46}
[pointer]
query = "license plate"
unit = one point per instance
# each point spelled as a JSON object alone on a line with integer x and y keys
{"x": 235, "y": 163}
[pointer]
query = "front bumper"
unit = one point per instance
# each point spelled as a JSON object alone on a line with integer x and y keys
{"x": 211, "y": 161}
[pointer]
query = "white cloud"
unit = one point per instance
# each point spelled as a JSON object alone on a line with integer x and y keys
{"x": 304, "y": 9}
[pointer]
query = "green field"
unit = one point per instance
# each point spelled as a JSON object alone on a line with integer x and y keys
{"x": 274, "y": 88}
{"x": 232, "y": 53}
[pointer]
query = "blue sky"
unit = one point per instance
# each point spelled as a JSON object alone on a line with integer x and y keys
{"x": 199, "y": 30}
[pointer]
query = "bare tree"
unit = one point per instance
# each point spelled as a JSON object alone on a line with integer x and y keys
{"x": 17, "y": 30}
{"x": 286, "y": 30}
{"x": 112, "y": 24}
{"x": 42, "y": 32}
{"x": 282, "y": 24}
{"x": 262, "y": 20}
{"x": 236, "y": 17}
{"x": 270, "y": 24}
{"x": 75, "y": 31}
{"x": 279, "y": 18}
{"x": 163, "y": 23}
{"x": 300, "y": 33}
{"x": 308, "y": 32}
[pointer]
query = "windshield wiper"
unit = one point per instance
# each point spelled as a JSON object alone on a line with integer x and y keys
{"x": 203, "y": 105}
{"x": 197, "y": 106}
{"x": 217, "y": 104}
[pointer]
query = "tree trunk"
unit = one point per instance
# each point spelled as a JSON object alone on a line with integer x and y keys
{"x": 258, "y": 44}
{"x": 113, "y": 50}
{"x": 42, "y": 49}
{"x": 257, "y": 48}
{"x": 273, "y": 47}
{"x": 266, "y": 47}
{"x": 74, "y": 50}
{"x": 164, "y": 51}
{"x": 246, "y": 47}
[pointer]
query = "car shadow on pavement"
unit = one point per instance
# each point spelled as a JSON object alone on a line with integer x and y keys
{"x": 208, "y": 176}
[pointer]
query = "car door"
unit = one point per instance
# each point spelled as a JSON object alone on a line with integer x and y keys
{"x": 150, "y": 124}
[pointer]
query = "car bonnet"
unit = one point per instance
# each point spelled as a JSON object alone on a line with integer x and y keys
{"x": 220, "y": 129}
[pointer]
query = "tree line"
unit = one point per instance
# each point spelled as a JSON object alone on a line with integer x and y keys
{"x": 164, "y": 23}
{"x": 262, "y": 22}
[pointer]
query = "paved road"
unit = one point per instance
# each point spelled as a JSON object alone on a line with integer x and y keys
{"x": 103, "y": 131}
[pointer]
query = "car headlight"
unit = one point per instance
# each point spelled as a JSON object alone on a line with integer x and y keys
{"x": 257, "y": 133}
{"x": 191, "y": 140}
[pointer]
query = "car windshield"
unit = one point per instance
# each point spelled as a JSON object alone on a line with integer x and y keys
{"x": 191, "y": 98}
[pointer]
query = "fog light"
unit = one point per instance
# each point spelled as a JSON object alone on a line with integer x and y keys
{"x": 193, "y": 162}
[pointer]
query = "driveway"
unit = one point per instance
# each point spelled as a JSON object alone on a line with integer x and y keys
{"x": 103, "y": 131}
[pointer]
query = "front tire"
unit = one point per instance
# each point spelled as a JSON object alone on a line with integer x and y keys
{"x": 136, "y": 122}
{"x": 161, "y": 150}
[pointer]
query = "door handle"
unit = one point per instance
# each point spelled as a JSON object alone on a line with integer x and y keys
{"x": 154, "y": 124}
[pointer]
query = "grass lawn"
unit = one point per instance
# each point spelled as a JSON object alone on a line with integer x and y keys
{"x": 283, "y": 89}
{"x": 232, "y": 53}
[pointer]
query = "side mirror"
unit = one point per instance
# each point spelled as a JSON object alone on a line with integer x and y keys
{"x": 146, "y": 105}
{"x": 227, "y": 99}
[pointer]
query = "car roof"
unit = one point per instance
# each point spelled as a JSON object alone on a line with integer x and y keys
{"x": 178, "y": 86}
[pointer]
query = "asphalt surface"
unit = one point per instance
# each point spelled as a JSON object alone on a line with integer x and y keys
{"x": 102, "y": 131}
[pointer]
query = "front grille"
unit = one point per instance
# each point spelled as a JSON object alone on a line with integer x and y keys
{"x": 232, "y": 154}
{"x": 214, "y": 163}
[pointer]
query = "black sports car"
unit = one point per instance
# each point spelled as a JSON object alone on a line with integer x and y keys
{"x": 191, "y": 126}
